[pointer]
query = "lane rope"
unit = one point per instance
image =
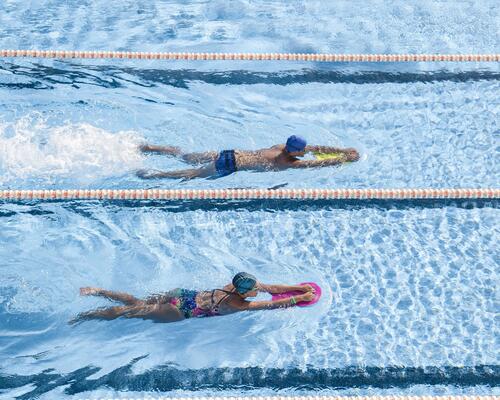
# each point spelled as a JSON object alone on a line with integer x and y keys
{"x": 248, "y": 194}
{"x": 319, "y": 57}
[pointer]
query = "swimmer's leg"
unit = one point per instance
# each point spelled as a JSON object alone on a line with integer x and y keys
{"x": 192, "y": 158}
{"x": 200, "y": 158}
{"x": 103, "y": 313}
{"x": 157, "y": 313}
{"x": 154, "y": 312}
{"x": 204, "y": 172}
{"x": 116, "y": 296}
{"x": 169, "y": 150}
{"x": 165, "y": 297}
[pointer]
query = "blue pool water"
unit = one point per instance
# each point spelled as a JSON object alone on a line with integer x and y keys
{"x": 411, "y": 301}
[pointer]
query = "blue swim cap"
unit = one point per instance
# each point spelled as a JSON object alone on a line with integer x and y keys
{"x": 244, "y": 282}
{"x": 295, "y": 143}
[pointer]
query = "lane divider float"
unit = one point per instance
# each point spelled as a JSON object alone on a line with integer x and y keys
{"x": 248, "y": 194}
{"x": 315, "y": 57}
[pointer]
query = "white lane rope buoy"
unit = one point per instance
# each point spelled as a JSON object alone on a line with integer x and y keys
{"x": 314, "y": 57}
{"x": 248, "y": 194}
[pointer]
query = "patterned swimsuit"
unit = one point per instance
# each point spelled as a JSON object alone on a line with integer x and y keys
{"x": 185, "y": 301}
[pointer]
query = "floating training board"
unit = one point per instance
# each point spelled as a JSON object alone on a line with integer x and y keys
{"x": 326, "y": 156}
{"x": 286, "y": 295}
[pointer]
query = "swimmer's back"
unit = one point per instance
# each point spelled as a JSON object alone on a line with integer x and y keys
{"x": 261, "y": 160}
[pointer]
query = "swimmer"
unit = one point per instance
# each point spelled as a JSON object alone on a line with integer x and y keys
{"x": 275, "y": 158}
{"x": 180, "y": 304}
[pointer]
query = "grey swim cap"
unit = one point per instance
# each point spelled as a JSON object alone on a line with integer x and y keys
{"x": 244, "y": 282}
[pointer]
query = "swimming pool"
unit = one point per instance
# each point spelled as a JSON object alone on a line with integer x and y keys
{"x": 411, "y": 299}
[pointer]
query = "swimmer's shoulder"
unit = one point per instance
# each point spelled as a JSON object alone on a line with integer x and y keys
{"x": 232, "y": 303}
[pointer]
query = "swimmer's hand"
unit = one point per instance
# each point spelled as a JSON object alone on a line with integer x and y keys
{"x": 306, "y": 288}
{"x": 309, "y": 296}
{"x": 351, "y": 154}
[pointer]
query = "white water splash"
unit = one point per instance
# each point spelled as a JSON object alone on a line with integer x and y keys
{"x": 30, "y": 149}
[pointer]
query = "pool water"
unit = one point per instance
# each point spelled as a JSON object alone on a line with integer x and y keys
{"x": 410, "y": 302}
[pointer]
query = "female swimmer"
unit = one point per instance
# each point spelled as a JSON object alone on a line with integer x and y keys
{"x": 179, "y": 304}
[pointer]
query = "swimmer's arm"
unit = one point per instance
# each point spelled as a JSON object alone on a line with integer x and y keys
{"x": 324, "y": 149}
{"x": 270, "y": 305}
{"x": 277, "y": 289}
{"x": 319, "y": 163}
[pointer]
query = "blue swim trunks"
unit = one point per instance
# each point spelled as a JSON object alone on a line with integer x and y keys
{"x": 225, "y": 163}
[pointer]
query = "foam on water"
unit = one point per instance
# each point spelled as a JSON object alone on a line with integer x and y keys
{"x": 79, "y": 153}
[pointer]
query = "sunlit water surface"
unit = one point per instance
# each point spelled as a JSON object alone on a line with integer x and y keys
{"x": 410, "y": 301}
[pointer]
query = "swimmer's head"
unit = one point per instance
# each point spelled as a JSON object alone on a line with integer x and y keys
{"x": 296, "y": 146}
{"x": 245, "y": 284}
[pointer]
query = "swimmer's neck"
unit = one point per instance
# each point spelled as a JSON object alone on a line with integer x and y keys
{"x": 285, "y": 156}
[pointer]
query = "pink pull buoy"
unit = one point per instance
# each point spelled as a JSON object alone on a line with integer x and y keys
{"x": 286, "y": 295}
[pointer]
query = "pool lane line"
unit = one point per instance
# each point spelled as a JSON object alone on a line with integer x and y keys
{"x": 371, "y": 397}
{"x": 168, "y": 379}
{"x": 249, "y": 194}
{"x": 314, "y": 57}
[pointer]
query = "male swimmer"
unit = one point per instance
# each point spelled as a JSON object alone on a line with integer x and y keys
{"x": 275, "y": 158}
{"x": 179, "y": 304}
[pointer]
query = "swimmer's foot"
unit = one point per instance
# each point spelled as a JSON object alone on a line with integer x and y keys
{"x": 90, "y": 291}
{"x": 147, "y": 174}
{"x": 81, "y": 317}
{"x": 76, "y": 320}
{"x": 169, "y": 150}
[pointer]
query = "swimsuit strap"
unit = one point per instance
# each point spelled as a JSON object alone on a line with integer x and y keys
{"x": 215, "y": 306}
